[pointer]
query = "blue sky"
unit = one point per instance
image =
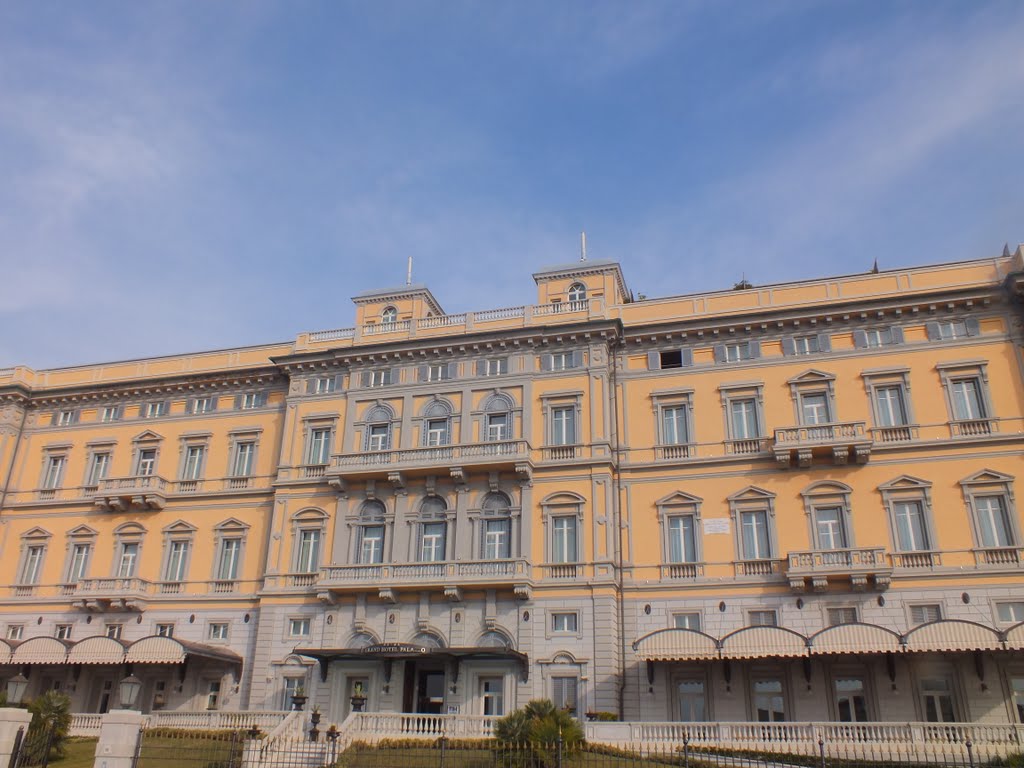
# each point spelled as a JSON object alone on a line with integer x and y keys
{"x": 184, "y": 175}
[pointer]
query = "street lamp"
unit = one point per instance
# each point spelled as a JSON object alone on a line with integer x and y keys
{"x": 16, "y": 688}
{"x": 129, "y": 690}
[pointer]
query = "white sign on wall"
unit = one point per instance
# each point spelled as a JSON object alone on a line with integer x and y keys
{"x": 716, "y": 525}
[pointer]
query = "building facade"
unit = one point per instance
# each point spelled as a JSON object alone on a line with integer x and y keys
{"x": 791, "y": 502}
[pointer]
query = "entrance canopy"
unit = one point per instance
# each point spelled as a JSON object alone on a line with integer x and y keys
{"x": 389, "y": 652}
{"x": 102, "y": 650}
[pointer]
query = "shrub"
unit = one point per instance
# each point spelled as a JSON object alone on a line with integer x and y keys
{"x": 51, "y": 712}
{"x": 540, "y": 726}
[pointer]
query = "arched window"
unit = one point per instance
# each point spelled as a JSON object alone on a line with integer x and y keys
{"x": 497, "y": 419}
{"x": 437, "y": 424}
{"x": 494, "y": 639}
{"x": 433, "y": 530}
{"x": 361, "y": 640}
{"x": 577, "y": 292}
{"x": 496, "y": 527}
{"x": 378, "y": 429}
{"x": 389, "y": 315}
{"x": 428, "y": 640}
{"x": 370, "y": 536}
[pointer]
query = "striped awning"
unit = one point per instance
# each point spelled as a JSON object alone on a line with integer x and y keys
{"x": 6, "y": 651}
{"x": 1015, "y": 637}
{"x": 97, "y": 650}
{"x": 855, "y": 638}
{"x": 763, "y": 642}
{"x": 40, "y": 650}
{"x": 953, "y": 635}
{"x": 156, "y": 649}
{"x": 676, "y": 645}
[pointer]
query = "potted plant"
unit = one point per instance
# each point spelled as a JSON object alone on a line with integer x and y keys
{"x": 314, "y": 714}
{"x": 358, "y": 699}
{"x": 299, "y": 698}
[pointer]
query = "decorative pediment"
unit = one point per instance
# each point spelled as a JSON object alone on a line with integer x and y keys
{"x": 129, "y": 529}
{"x": 82, "y": 532}
{"x": 563, "y": 497}
{"x": 679, "y": 498}
{"x": 811, "y": 376}
{"x": 231, "y": 524}
{"x": 310, "y": 514}
{"x": 827, "y": 488}
{"x": 905, "y": 483}
{"x": 987, "y": 477}
{"x": 751, "y": 493}
{"x": 36, "y": 533}
{"x": 180, "y": 526}
{"x": 147, "y": 436}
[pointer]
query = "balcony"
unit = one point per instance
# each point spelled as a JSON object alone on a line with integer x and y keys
{"x": 746, "y": 447}
{"x": 449, "y": 574}
{"x": 763, "y": 568}
{"x": 839, "y": 442}
{"x": 921, "y": 559}
{"x": 113, "y": 594}
{"x": 681, "y": 571}
{"x": 508, "y": 455}
{"x": 859, "y": 565}
{"x": 675, "y": 452}
{"x": 999, "y": 557}
{"x": 967, "y": 428}
{"x": 131, "y": 494}
{"x": 902, "y": 434}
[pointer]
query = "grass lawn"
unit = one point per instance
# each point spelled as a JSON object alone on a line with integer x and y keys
{"x": 80, "y": 754}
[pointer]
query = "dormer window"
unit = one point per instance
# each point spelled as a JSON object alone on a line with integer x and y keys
{"x": 577, "y": 292}
{"x": 389, "y": 315}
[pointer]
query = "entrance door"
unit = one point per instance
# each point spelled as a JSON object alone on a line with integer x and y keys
{"x": 103, "y": 696}
{"x": 430, "y": 692}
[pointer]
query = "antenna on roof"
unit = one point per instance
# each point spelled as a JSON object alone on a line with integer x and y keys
{"x": 583, "y": 246}
{"x": 874, "y": 267}
{"x": 408, "y": 273}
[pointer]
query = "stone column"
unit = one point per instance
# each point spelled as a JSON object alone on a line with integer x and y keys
{"x": 11, "y": 719}
{"x": 119, "y": 734}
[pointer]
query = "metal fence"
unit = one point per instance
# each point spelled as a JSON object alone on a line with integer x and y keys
{"x": 163, "y": 748}
{"x": 35, "y": 748}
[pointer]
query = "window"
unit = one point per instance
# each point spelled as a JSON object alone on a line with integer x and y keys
{"x": 113, "y": 630}
{"x": 66, "y": 418}
{"x": 769, "y": 701}
{"x": 830, "y": 528}
{"x": 851, "y": 700}
{"x": 437, "y": 371}
{"x": 292, "y": 687}
{"x": 322, "y": 385}
{"x": 1017, "y": 692}
{"x": 382, "y": 377}
{"x": 565, "y": 693}
{"x": 923, "y": 614}
{"x": 806, "y": 345}
{"x": 993, "y": 522}
{"x": 433, "y": 530}
{"x": 319, "y": 451}
{"x": 245, "y": 452}
{"x": 388, "y": 315}
{"x": 54, "y": 473}
{"x": 437, "y": 424}
{"x": 842, "y": 615}
{"x": 128, "y": 560}
{"x": 890, "y": 406}
{"x": 743, "y": 419}
{"x": 937, "y": 700}
{"x": 563, "y": 425}
{"x": 675, "y": 425}
{"x": 145, "y": 462}
{"x": 218, "y": 631}
{"x": 945, "y": 330}
{"x": 911, "y": 530}
{"x": 99, "y": 466}
{"x": 737, "y": 351}
{"x": 110, "y": 413}
{"x": 763, "y": 618}
{"x": 565, "y": 622}
{"x": 378, "y": 429}
{"x": 298, "y": 627}
{"x": 877, "y": 337}
{"x": 201, "y": 405}
{"x": 195, "y": 456}
{"x": 967, "y": 399}
{"x": 496, "y": 527}
{"x": 177, "y": 561}
{"x": 497, "y": 427}
{"x": 492, "y": 695}
{"x": 153, "y": 410}
{"x": 370, "y": 538}
{"x": 563, "y": 539}
{"x": 63, "y": 631}
{"x": 250, "y": 401}
{"x": 79, "y": 564}
{"x": 674, "y": 358}
{"x": 308, "y": 555}
{"x": 561, "y": 361}
{"x": 577, "y": 292}
{"x": 212, "y": 694}
{"x": 682, "y": 539}
{"x": 756, "y": 543}
{"x": 691, "y": 701}
{"x": 32, "y": 564}
{"x": 165, "y": 630}
{"x": 15, "y": 631}
{"x": 686, "y": 621}
{"x": 814, "y": 408}
{"x": 230, "y": 555}
{"x": 495, "y": 366}
{"x": 1010, "y": 613}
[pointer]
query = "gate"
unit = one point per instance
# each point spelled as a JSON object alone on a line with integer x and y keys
{"x": 32, "y": 749}
{"x": 173, "y": 748}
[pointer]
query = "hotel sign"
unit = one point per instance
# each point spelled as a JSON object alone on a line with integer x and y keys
{"x": 393, "y": 648}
